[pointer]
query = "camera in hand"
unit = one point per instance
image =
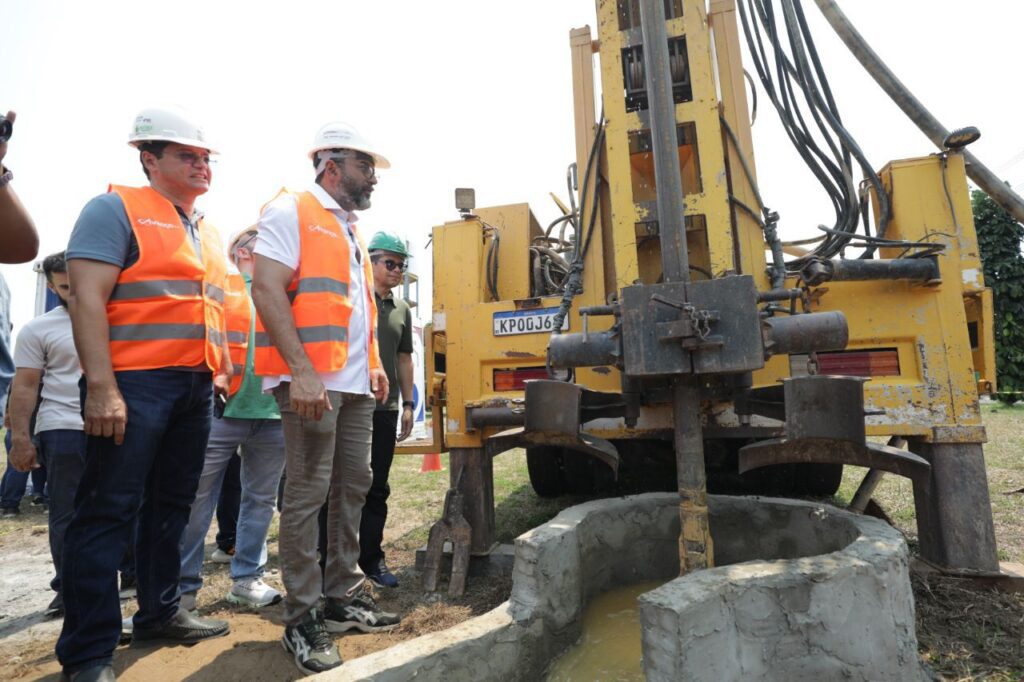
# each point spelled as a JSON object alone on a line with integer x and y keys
{"x": 6, "y": 130}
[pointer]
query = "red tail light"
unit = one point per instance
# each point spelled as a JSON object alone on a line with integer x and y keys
{"x": 515, "y": 379}
{"x": 861, "y": 363}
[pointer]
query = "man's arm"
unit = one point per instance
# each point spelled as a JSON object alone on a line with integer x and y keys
{"x": 19, "y": 241}
{"x": 270, "y": 281}
{"x": 24, "y": 394}
{"x": 405, "y": 386}
{"x": 92, "y": 282}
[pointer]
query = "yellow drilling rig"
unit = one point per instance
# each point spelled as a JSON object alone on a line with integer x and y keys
{"x": 660, "y": 335}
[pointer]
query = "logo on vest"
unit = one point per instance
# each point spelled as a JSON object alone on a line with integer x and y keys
{"x": 323, "y": 230}
{"x": 156, "y": 223}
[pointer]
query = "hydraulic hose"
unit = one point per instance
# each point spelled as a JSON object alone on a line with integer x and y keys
{"x": 915, "y": 110}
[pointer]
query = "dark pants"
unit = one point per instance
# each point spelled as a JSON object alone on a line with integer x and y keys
{"x": 151, "y": 477}
{"x": 229, "y": 502}
{"x": 12, "y": 486}
{"x": 62, "y": 451}
{"x": 375, "y": 509}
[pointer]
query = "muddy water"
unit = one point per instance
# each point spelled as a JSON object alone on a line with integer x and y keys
{"x": 609, "y": 648}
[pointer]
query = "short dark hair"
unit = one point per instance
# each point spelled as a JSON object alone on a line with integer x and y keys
{"x": 55, "y": 262}
{"x": 154, "y": 148}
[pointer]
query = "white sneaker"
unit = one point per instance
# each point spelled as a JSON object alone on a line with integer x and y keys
{"x": 254, "y": 593}
{"x": 219, "y": 556}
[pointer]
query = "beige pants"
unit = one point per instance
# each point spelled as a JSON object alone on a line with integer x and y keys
{"x": 332, "y": 454}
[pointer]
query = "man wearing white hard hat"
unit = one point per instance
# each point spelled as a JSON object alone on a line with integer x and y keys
{"x": 147, "y": 277}
{"x": 313, "y": 289}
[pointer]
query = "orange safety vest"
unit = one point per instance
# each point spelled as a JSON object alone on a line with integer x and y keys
{"x": 167, "y": 308}
{"x": 238, "y": 319}
{"x": 321, "y": 307}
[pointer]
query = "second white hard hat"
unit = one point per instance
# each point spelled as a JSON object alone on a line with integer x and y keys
{"x": 168, "y": 124}
{"x": 340, "y": 135}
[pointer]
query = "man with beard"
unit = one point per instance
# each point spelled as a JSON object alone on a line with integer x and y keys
{"x": 46, "y": 352}
{"x": 147, "y": 311}
{"x": 313, "y": 290}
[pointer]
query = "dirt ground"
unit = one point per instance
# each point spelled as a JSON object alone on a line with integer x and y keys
{"x": 252, "y": 651}
{"x": 963, "y": 633}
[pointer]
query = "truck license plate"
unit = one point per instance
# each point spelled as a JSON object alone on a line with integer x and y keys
{"x": 536, "y": 321}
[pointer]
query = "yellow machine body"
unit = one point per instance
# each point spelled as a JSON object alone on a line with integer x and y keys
{"x": 936, "y": 338}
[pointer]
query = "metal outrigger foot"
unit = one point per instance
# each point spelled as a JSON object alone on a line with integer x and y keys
{"x": 452, "y": 527}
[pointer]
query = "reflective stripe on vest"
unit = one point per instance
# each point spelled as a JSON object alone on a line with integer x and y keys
{"x": 319, "y": 295}
{"x": 166, "y": 309}
{"x": 238, "y": 321}
{"x": 164, "y": 287}
{"x": 317, "y": 285}
{"x": 308, "y": 335}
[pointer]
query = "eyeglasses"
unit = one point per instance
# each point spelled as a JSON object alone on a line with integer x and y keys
{"x": 367, "y": 169}
{"x": 392, "y": 264}
{"x": 190, "y": 158}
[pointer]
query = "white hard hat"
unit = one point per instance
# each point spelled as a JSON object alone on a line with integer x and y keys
{"x": 340, "y": 135}
{"x": 167, "y": 124}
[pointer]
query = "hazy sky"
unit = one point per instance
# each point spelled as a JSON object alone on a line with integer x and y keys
{"x": 455, "y": 93}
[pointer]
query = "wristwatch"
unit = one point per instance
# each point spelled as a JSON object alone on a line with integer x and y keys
{"x": 408, "y": 403}
{"x": 6, "y": 177}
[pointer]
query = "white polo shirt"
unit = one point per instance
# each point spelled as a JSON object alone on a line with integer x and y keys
{"x": 279, "y": 240}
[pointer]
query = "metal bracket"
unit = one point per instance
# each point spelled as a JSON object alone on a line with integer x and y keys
{"x": 453, "y": 527}
{"x": 832, "y": 451}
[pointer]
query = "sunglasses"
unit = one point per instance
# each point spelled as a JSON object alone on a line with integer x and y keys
{"x": 392, "y": 264}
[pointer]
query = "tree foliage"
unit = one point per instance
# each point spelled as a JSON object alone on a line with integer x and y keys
{"x": 999, "y": 240}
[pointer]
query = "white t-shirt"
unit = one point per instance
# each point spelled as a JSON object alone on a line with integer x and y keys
{"x": 45, "y": 343}
{"x": 279, "y": 240}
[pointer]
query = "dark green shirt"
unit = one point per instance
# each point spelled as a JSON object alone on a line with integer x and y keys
{"x": 394, "y": 336}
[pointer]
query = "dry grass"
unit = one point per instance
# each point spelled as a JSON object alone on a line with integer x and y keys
{"x": 965, "y": 633}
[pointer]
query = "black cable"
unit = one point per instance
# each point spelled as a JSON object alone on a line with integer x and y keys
{"x": 574, "y": 278}
{"x": 491, "y": 267}
{"x": 796, "y": 80}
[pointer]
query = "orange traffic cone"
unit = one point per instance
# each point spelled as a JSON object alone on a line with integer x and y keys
{"x": 431, "y": 463}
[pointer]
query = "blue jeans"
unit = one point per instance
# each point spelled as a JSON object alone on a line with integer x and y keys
{"x": 62, "y": 451}
{"x": 12, "y": 486}
{"x": 228, "y": 503}
{"x": 152, "y": 478}
{"x": 262, "y": 443}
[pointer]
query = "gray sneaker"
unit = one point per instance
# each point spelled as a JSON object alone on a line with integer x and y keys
{"x": 310, "y": 644}
{"x": 359, "y": 614}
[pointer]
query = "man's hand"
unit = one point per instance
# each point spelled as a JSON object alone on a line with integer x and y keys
{"x": 23, "y": 455}
{"x": 406, "y": 424}
{"x": 308, "y": 396}
{"x": 221, "y": 382}
{"x": 379, "y": 384}
{"x": 222, "y": 377}
{"x": 106, "y": 414}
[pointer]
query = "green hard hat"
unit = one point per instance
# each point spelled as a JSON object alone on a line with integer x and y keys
{"x": 389, "y": 241}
